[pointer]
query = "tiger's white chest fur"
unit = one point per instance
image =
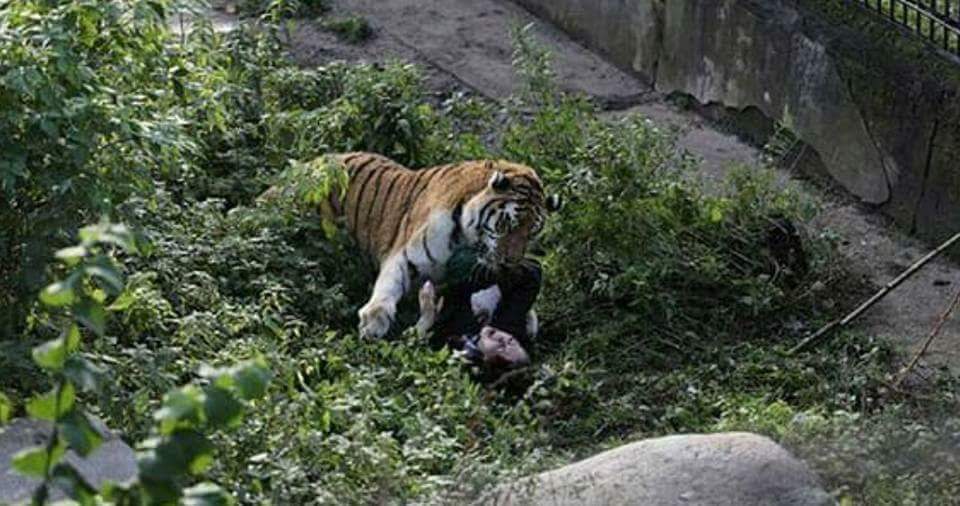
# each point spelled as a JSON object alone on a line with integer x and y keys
{"x": 431, "y": 247}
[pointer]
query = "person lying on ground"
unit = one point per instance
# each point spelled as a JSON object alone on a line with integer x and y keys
{"x": 489, "y": 317}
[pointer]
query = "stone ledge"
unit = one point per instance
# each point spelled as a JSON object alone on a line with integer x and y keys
{"x": 113, "y": 461}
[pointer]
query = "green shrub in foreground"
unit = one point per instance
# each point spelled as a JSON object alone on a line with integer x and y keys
{"x": 178, "y": 451}
{"x": 80, "y": 132}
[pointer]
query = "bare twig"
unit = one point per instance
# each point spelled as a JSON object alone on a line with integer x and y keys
{"x": 926, "y": 344}
{"x": 876, "y": 297}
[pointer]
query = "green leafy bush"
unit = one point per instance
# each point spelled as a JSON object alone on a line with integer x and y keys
{"x": 888, "y": 458}
{"x": 663, "y": 296}
{"x": 178, "y": 449}
{"x": 80, "y": 131}
{"x": 342, "y": 107}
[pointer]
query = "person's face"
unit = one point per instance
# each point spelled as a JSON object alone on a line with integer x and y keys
{"x": 501, "y": 349}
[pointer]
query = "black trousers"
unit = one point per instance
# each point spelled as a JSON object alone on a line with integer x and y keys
{"x": 519, "y": 287}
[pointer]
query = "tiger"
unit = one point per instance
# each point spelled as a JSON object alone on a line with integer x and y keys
{"x": 410, "y": 221}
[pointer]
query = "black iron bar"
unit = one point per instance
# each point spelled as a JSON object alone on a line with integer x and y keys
{"x": 935, "y": 22}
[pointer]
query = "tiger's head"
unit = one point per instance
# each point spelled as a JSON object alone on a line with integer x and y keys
{"x": 503, "y": 217}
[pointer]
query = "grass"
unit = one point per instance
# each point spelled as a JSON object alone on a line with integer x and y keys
{"x": 353, "y": 29}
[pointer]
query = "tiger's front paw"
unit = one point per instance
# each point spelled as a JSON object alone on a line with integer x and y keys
{"x": 375, "y": 320}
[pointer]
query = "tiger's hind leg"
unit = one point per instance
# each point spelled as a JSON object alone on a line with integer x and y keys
{"x": 378, "y": 314}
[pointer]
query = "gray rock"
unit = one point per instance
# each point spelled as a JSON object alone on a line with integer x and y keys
{"x": 113, "y": 461}
{"x": 736, "y": 469}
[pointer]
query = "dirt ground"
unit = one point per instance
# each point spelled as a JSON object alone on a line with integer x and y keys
{"x": 465, "y": 45}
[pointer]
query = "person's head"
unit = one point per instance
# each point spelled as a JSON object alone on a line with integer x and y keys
{"x": 501, "y": 350}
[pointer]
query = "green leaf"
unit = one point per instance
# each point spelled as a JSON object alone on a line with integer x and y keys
{"x": 201, "y": 461}
{"x": 72, "y": 338}
{"x": 79, "y": 434}
{"x": 161, "y": 490}
{"x": 716, "y": 214}
{"x": 220, "y": 377}
{"x": 206, "y": 494}
{"x": 92, "y": 315}
{"x": 221, "y": 408}
{"x": 102, "y": 268}
{"x": 51, "y": 407}
{"x": 83, "y": 373}
{"x": 67, "y": 479}
{"x": 6, "y": 408}
{"x": 252, "y": 379}
{"x": 182, "y": 451}
{"x": 71, "y": 255}
{"x": 249, "y": 378}
{"x": 182, "y": 407}
{"x": 53, "y": 354}
{"x": 123, "y": 301}
{"x": 109, "y": 233}
{"x": 58, "y": 294}
{"x": 34, "y": 462}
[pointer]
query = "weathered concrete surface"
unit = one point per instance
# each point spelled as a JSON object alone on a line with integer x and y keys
{"x": 738, "y": 469}
{"x": 886, "y": 131}
{"x": 741, "y": 57}
{"x": 113, "y": 460}
{"x": 471, "y": 41}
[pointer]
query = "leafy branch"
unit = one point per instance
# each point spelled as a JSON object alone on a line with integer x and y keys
{"x": 92, "y": 279}
{"x": 178, "y": 449}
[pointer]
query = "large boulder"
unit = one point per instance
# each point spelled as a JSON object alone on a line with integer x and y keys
{"x": 736, "y": 469}
{"x": 113, "y": 461}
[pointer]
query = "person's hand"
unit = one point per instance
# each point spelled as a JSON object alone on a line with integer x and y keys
{"x": 484, "y": 304}
{"x": 430, "y": 306}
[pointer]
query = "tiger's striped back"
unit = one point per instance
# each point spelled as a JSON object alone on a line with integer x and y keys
{"x": 372, "y": 211}
{"x": 386, "y": 203}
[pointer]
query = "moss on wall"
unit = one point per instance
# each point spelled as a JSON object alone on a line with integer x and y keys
{"x": 907, "y": 94}
{"x": 891, "y": 47}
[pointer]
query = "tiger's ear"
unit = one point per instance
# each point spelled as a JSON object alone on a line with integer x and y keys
{"x": 499, "y": 181}
{"x": 554, "y": 203}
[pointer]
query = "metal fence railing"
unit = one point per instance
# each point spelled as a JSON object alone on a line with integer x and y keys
{"x": 935, "y": 21}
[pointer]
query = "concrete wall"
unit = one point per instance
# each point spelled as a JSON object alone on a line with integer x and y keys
{"x": 886, "y": 127}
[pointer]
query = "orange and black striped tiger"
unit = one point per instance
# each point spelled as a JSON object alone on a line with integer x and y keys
{"x": 410, "y": 221}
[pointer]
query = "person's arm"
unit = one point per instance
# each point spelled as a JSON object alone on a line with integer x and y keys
{"x": 430, "y": 307}
{"x": 520, "y": 287}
